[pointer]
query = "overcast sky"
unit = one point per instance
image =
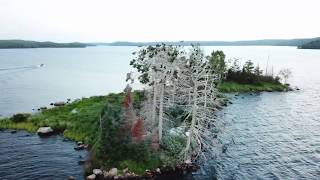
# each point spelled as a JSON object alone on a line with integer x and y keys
{"x": 156, "y": 20}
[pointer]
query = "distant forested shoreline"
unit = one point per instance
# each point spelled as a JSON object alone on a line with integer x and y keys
{"x": 261, "y": 42}
{"x": 311, "y": 45}
{"x": 305, "y": 43}
{"x": 17, "y": 44}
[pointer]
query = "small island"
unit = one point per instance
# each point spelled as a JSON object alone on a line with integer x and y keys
{"x": 246, "y": 78}
{"x": 17, "y": 44}
{"x": 165, "y": 128}
{"x": 311, "y": 45}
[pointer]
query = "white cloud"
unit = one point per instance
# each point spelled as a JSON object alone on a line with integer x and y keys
{"x": 150, "y": 20}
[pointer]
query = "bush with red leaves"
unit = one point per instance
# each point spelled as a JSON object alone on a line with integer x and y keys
{"x": 138, "y": 130}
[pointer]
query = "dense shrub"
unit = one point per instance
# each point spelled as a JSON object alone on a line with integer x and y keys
{"x": 20, "y": 117}
{"x": 172, "y": 146}
{"x": 114, "y": 147}
{"x": 249, "y": 74}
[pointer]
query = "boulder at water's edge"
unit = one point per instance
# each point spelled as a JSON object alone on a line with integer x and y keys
{"x": 45, "y": 131}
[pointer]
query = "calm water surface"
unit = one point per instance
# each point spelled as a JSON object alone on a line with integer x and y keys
{"x": 67, "y": 73}
{"x": 268, "y": 135}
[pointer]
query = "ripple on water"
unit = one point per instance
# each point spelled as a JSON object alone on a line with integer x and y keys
{"x": 275, "y": 135}
{"x": 31, "y": 157}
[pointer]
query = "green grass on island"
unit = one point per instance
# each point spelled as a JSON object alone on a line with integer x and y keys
{"x": 77, "y": 120}
{"x": 228, "y": 87}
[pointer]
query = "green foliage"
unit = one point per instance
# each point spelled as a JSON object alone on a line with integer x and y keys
{"x": 113, "y": 148}
{"x": 237, "y": 87}
{"x": 218, "y": 64}
{"x": 249, "y": 74}
{"x": 8, "y": 124}
{"x": 110, "y": 124}
{"x": 139, "y": 167}
{"x": 248, "y": 67}
{"x": 20, "y": 117}
{"x": 78, "y": 120}
{"x": 172, "y": 146}
{"x": 177, "y": 115}
{"x": 138, "y": 97}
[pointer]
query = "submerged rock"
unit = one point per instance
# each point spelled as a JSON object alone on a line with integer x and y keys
{"x": 81, "y": 162}
{"x": 45, "y": 131}
{"x": 224, "y": 148}
{"x": 81, "y": 146}
{"x": 71, "y": 178}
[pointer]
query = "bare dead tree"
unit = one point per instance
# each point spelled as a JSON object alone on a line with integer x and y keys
{"x": 188, "y": 82}
{"x": 285, "y": 74}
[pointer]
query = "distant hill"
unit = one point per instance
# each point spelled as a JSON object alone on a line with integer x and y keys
{"x": 300, "y": 43}
{"x": 11, "y": 44}
{"x": 263, "y": 42}
{"x": 311, "y": 45}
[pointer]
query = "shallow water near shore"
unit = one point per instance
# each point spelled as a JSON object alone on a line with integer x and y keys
{"x": 26, "y": 156}
{"x": 268, "y": 135}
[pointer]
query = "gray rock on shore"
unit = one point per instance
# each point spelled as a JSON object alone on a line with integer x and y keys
{"x": 45, "y": 131}
{"x": 112, "y": 173}
{"x": 61, "y": 103}
{"x": 97, "y": 172}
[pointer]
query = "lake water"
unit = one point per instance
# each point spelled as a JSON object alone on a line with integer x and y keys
{"x": 25, "y": 156}
{"x": 269, "y": 135}
{"x": 67, "y": 73}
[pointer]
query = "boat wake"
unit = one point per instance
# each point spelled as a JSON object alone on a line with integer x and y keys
{"x": 23, "y": 67}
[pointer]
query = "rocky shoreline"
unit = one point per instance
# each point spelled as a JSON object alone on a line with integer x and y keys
{"x": 160, "y": 173}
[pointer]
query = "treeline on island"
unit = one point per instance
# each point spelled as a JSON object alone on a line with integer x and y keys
{"x": 12, "y": 44}
{"x": 311, "y": 45}
{"x": 234, "y": 77}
